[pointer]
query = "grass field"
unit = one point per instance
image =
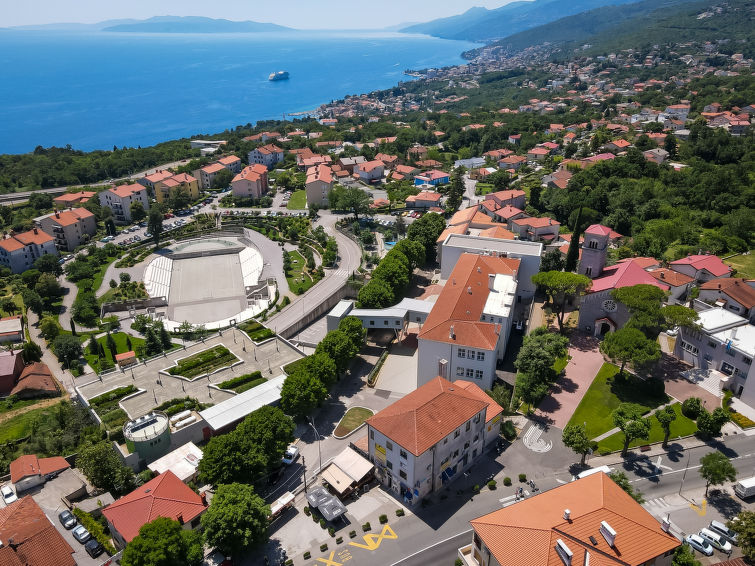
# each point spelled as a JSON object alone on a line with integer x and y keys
{"x": 298, "y": 280}
{"x": 298, "y": 200}
{"x": 682, "y": 426}
{"x": 606, "y": 394}
{"x": 744, "y": 264}
{"x": 204, "y": 362}
{"x": 353, "y": 418}
{"x": 20, "y": 425}
{"x": 6, "y": 405}
{"x": 121, "y": 344}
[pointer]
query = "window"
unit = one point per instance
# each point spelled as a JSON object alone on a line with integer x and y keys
{"x": 478, "y": 374}
{"x": 588, "y": 271}
{"x": 402, "y": 453}
{"x": 456, "y": 454}
{"x": 727, "y": 368}
{"x": 462, "y": 352}
{"x": 385, "y": 323}
{"x": 712, "y": 344}
{"x": 459, "y": 371}
{"x": 470, "y": 354}
{"x": 402, "y": 473}
{"x": 372, "y": 434}
{"x": 689, "y": 347}
{"x": 457, "y": 433}
{"x": 480, "y": 356}
{"x": 398, "y": 323}
{"x": 470, "y": 372}
{"x": 372, "y": 323}
{"x": 593, "y": 244}
{"x": 195, "y": 523}
{"x": 747, "y": 360}
{"x": 389, "y": 464}
{"x": 477, "y": 418}
{"x": 469, "y": 425}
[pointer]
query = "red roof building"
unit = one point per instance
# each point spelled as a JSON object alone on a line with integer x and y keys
{"x": 702, "y": 267}
{"x": 28, "y": 471}
{"x": 163, "y": 496}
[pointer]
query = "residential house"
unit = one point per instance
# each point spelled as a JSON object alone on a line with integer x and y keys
{"x": 18, "y": 252}
{"x": 678, "y": 283}
{"x": 28, "y": 471}
{"x": 481, "y": 173}
{"x": 119, "y": 199}
{"x": 467, "y": 330}
{"x": 588, "y": 521}
{"x": 348, "y": 163}
{"x": 507, "y": 214}
{"x": 319, "y": 184}
{"x": 70, "y": 228}
{"x": 175, "y": 184}
{"x": 701, "y": 267}
{"x": 471, "y": 163}
{"x": 538, "y": 153}
{"x": 656, "y": 155}
{"x": 307, "y": 162}
{"x": 515, "y": 138}
{"x": 150, "y": 180}
{"x": 390, "y": 161}
{"x": 12, "y": 329}
{"x": 512, "y": 162}
{"x": 206, "y": 175}
{"x": 497, "y": 154}
{"x": 163, "y": 496}
{"x": 429, "y": 164}
{"x": 35, "y": 540}
{"x": 404, "y": 172}
{"x": 677, "y": 112}
{"x": 424, "y": 200}
{"x": 432, "y": 177}
{"x": 370, "y": 171}
{"x": 67, "y": 200}
{"x": 535, "y": 229}
{"x": 251, "y": 182}
{"x": 11, "y": 366}
{"x": 724, "y": 342}
{"x": 616, "y": 145}
{"x": 731, "y": 293}
{"x": 416, "y": 152}
{"x": 35, "y": 381}
{"x": 426, "y": 439}
{"x": 268, "y": 155}
{"x": 514, "y": 197}
{"x": 559, "y": 179}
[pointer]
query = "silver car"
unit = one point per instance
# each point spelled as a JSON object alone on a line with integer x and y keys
{"x": 82, "y": 535}
{"x": 9, "y": 496}
{"x": 699, "y": 544}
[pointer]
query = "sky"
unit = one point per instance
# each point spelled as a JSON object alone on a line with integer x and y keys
{"x": 304, "y": 14}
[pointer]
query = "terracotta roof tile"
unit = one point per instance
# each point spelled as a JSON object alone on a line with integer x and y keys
{"x": 493, "y": 409}
{"x": 671, "y": 277}
{"x": 709, "y": 262}
{"x": 735, "y": 288}
{"x": 37, "y": 542}
{"x": 36, "y": 377}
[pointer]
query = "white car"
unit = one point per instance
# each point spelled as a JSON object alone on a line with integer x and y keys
{"x": 9, "y": 496}
{"x": 699, "y": 544}
{"x": 715, "y": 540}
{"x": 291, "y": 454}
{"x": 673, "y": 331}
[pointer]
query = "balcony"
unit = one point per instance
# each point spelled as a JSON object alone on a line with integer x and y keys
{"x": 466, "y": 555}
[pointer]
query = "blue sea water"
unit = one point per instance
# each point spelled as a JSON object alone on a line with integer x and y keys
{"x": 94, "y": 90}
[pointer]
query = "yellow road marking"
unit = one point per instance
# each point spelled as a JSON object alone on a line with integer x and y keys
{"x": 373, "y": 541}
{"x": 701, "y": 509}
{"x": 329, "y": 560}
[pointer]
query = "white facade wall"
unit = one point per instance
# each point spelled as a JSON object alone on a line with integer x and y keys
{"x": 481, "y": 372}
{"x": 121, "y": 206}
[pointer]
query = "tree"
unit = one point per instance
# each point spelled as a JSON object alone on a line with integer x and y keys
{"x": 715, "y": 469}
{"x": 110, "y": 341}
{"x": 684, "y": 556}
{"x": 31, "y": 352}
{"x": 710, "y": 424}
{"x": 48, "y": 288}
{"x": 377, "y": 294}
{"x": 352, "y": 199}
{"x": 72, "y": 324}
{"x": 413, "y": 251}
{"x": 621, "y": 479}
{"x": 49, "y": 263}
{"x": 164, "y": 542}
{"x": 645, "y": 304}
{"x": 352, "y": 327}
{"x": 301, "y": 393}
{"x": 137, "y": 211}
{"x": 530, "y": 389}
{"x": 575, "y": 437}
{"x": 552, "y": 261}
{"x": 338, "y": 347}
{"x": 104, "y": 469}
{"x": 8, "y": 305}
{"x": 113, "y": 284}
{"x": 179, "y": 199}
{"x": 744, "y": 525}
{"x": 665, "y": 417}
{"x": 630, "y": 345}
{"x": 124, "y": 277}
{"x": 164, "y": 335}
{"x": 572, "y": 254}
{"x": 455, "y": 191}
{"x": 322, "y": 367}
{"x": 562, "y": 287}
{"x": 33, "y": 301}
{"x": 501, "y": 394}
{"x": 186, "y": 330}
{"x": 226, "y": 460}
{"x": 269, "y": 429}
{"x": 628, "y": 418}
{"x": 236, "y": 520}
{"x": 426, "y": 230}
{"x": 49, "y": 328}
{"x": 155, "y": 223}
{"x": 152, "y": 344}
{"x": 394, "y": 270}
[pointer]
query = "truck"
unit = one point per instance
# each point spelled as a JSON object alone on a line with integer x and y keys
{"x": 591, "y": 471}
{"x": 745, "y": 488}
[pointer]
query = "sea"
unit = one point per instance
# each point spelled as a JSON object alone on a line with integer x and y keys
{"x": 95, "y": 90}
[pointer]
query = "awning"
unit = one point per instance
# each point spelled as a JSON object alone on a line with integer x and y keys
{"x": 337, "y": 479}
{"x": 332, "y": 509}
{"x": 318, "y": 496}
{"x": 354, "y": 465}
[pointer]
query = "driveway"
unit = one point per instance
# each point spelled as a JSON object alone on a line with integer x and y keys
{"x": 558, "y": 407}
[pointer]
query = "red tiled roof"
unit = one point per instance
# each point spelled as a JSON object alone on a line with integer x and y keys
{"x": 229, "y": 160}
{"x": 68, "y": 217}
{"x": 501, "y": 196}
{"x": 425, "y": 416}
{"x": 457, "y": 229}
{"x": 370, "y": 165}
{"x": 29, "y": 465}
{"x": 36, "y": 541}
{"x": 463, "y": 216}
{"x": 431, "y": 196}
{"x": 508, "y": 211}
{"x": 36, "y": 377}
{"x": 473, "y": 389}
{"x": 125, "y": 356}
{"x": 251, "y": 173}
{"x": 213, "y": 168}
{"x": 598, "y": 230}
{"x": 643, "y": 262}
{"x": 163, "y": 496}
{"x": 127, "y": 190}
{"x": 624, "y": 274}
{"x": 525, "y": 534}
{"x": 498, "y": 232}
{"x": 735, "y": 288}
{"x": 320, "y": 173}
{"x": 536, "y": 222}
{"x": 671, "y": 277}
{"x": 18, "y": 241}
{"x": 711, "y": 263}
{"x": 459, "y": 311}
{"x": 158, "y": 176}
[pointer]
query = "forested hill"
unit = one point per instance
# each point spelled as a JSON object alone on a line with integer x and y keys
{"x": 634, "y": 25}
{"x": 480, "y": 24}
{"x": 193, "y": 24}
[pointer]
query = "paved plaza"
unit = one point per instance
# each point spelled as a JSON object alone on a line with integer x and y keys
{"x": 268, "y": 357}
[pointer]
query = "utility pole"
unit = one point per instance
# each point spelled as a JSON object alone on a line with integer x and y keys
{"x": 304, "y": 475}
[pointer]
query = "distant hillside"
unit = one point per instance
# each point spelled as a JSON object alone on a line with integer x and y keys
{"x": 641, "y": 23}
{"x": 194, "y": 24}
{"x": 481, "y": 24}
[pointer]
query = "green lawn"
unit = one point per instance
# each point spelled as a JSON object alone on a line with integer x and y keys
{"x": 298, "y": 280}
{"x": 482, "y": 188}
{"x": 744, "y": 264}
{"x": 605, "y": 395}
{"x": 682, "y": 426}
{"x": 298, "y": 200}
{"x": 120, "y": 343}
{"x": 353, "y": 418}
{"x": 204, "y": 362}
{"x": 20, "y": 425}
{"x": 256, "y": 331}
{"x": 9, "y": 404}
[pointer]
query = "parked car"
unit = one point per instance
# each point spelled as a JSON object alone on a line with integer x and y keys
{"x": 721, "y": 529}
{"x": 699, "y": 544}
{"x": 94, "y": 548}
{"x": 9, "y": 496}
{"x": 81, "y": 534}
{"x": 291, "y": 454}
{"x": 715, "y": 540}
{"x": 67, "y": 519}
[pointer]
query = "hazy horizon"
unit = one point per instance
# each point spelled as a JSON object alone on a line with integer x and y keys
{"x": 302, "y": 14}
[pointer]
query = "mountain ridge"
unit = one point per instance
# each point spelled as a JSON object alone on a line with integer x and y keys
{"x": 194, "y": 24}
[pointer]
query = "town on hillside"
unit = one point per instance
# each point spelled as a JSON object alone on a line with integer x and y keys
{"x": 474, "y": 319}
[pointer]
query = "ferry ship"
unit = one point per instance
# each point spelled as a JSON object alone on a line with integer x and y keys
{"x": 279, "y": 76}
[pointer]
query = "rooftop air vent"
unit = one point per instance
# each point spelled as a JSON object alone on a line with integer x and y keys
{"x": 608, "y": 533}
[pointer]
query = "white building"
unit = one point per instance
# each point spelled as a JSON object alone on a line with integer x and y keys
{"x": 429, "y": 437}
{"x": 468, "y": 328}
{"x": 69, "y": 228}
{"x": 119, "y": 200}
{"x": 19, "y": 251}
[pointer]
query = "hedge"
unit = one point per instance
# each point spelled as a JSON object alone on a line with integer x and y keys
{"x": 240, "y": 380}
{"x": 101, "y": 402}
{"x": 204, "y": 362}
{"x": 179, "y": 404}
{"x": 95, "y": 529}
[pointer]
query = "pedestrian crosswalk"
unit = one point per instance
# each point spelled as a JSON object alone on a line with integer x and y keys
{"x": 657, "y": 503}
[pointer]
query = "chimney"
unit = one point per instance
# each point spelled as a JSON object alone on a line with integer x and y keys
{"x": 608, "y": 533}
{"x": 469, "y": 290}
{"x": 36, "y": 231}
{"x": 180, "y": 518}
{"x": 733, "y": 333}
{"x": 203, "y": 496}
{"x": 567, "y": 515}
{"x": 451, "y": 333}
{"x": 57, "y": 214}
{"x": 491, "y": 281}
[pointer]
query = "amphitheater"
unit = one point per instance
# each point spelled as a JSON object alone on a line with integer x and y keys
{"x": 215, "y": 281}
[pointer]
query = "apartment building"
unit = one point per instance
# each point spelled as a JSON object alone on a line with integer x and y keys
{"x": 251, "y": 182}
{"x": 18, "y": 252}
{"x": 119, "y": 200}
{"x": 70, "y": 228}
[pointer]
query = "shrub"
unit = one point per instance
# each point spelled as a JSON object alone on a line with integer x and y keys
{"x": 339, "y": 540}
{"x": 492, "y": 484}
{"x": 352, "y": 534}
{"x": 383, "y": 519}
{"x": 692, "y": 407}
{"x": 476, "y": 488}
{"x": 323, "y": 547}
{"x": 307, "y": 555}
{"x": 204, "y": 362}
{"x": 323, "y": 524}
{"x": 243, "y": 382}
{"x": 507, "y": 481}
{"x": 399, "y": 512}
{"x": 458, "y": 562}
{"x": 331, "y": 531}
{"x": 508, "y": 430}
{"x": 307, "y": 512}
{"x": 111, "y": 398}
{"x": 366, "y": 527}
{"x": 95, "y": 529}
{"x": 522, "y": 478}
{"x": 289, "y": 562}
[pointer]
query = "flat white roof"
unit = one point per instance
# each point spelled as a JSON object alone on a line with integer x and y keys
{"x": 183, "y": 461}
{"x": 342, "y": 308}
{"x": 481, "y": 243}
{"x": 10, "y": 325}
{"x": 398, "y": 311}
{"x": 236, "y": 408}
{"x": 718, "y": 319}
{"x": 501, "y": 297}
{"x": 740, "y": 337}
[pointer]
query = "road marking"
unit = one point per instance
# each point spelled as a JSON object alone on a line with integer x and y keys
{"x": 561, "y": 481}
{"x": 659, "y": 466}
{"x": 373, "y": 541}
{"x": 505, "y": 499}
{"x": 329, "y": 561}
{"x": 700, "y": 509}
{"x": 533, "y": 441}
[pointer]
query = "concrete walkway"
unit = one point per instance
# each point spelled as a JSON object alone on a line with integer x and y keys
{"x": 64, "y": 377}
{"x": 617, "y": 429}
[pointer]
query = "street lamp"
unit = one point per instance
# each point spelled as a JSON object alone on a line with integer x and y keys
{"x": 317, "y": 434}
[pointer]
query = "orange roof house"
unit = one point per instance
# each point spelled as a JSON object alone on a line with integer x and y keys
{"x": 35, "y": 381}
{"x": 163, "y": 496}
{"x": 588, "y": 521}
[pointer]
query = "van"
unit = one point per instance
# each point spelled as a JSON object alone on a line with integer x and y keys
{"x": 591, "y": 471}
{"x": 721, "y": 529}
{"x": 745, "y": 488}
{"x": 715, "y": 540}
